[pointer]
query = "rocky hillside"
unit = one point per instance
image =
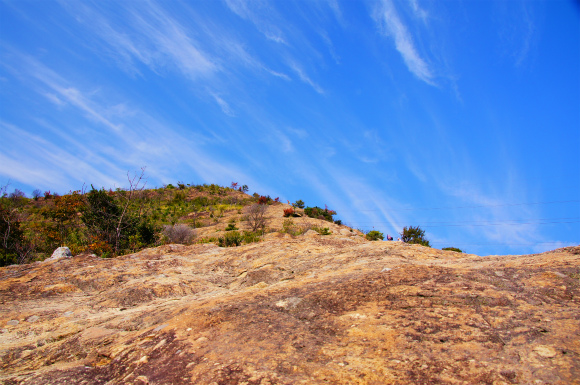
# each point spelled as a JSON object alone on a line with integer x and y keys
{"x": 307, "y": 309}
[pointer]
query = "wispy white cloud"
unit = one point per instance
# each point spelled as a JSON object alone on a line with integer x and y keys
{"x": 305, "y": 78}
{"x": 517, "y": 30}
{"x": 529, "y": 30}
{"x": 388, "y": 17}
{"x": 261, "y": 16}
{"x": 134, "y": 138}
{"x": 494, "y": 207}
{"x": 147, "y": 35}
{"x": 47, "y": 165}
{"x": 363, "y": 204}
{"x": 333, "y": 4}
{"x": 223, "y": 105}
{"x": 418, "y": 11}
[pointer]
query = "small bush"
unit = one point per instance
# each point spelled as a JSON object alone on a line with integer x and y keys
{"x": 289, "y": 227}
{"x": 231, "y": 227}
{"x": 252, "y": 237}
{"x": 146, "y": 233}
{"x": 298, "y": 204}
{"x": 230, "y": 239}
{"x": 263, "y": 200}
{"x": 178, "y": 233}
{"x": 318, "y": 213}
{"x": 322, "y": 231}
{"x": 288, "y": 212}
{"x": 453, "y": 249}
{"x": 375, "y": 235}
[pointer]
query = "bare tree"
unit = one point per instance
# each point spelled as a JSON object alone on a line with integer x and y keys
{"x": 257, "y": 217}
{"x": 111, "y": 217}
{"x": 135, "y": 188}
{"x": 36, "y": 194}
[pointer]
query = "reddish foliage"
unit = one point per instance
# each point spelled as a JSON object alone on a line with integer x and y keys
{"x": 331, "y": 212}
{"x": 263, "y": 200}
{"x": 288, "y": 212}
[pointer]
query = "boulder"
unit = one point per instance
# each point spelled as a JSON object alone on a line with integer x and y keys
{"x": 311, "y": 233}
{"x": 347, "y": 232}
{"x": 61, "y": 252}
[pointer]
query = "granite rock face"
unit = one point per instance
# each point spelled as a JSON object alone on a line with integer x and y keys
{"x": 293, "y": 310}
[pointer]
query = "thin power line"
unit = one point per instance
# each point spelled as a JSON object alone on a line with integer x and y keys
{"x": 502, "y": 224}
{"x": 466, "y": 207}
{"x": 565, "y": 244}
{"x": 515, "y": 221}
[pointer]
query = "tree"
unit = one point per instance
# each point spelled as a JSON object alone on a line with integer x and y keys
{"x": 17, "y": 195}
{"x": 414, "y": 235}
{"x": 100, "y": 216}
{"x": 125, "y": 221}
{"x": 374, "y": 235}
{"x": 256, "y": 217}
{"x": 14, "y": 248}
{"x": 36, "y": 194}
{"x": 114, "y": 220}
{"x": 63, "y": 213}
{"x": 298, "y": 204}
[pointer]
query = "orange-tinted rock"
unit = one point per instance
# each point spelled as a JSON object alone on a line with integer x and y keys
{"x": 293, "y": 310}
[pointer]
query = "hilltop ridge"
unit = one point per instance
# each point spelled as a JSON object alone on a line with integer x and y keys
{"x": 289, "y": 299}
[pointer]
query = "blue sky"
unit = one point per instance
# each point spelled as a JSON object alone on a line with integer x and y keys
{"x": 462, "y": 117}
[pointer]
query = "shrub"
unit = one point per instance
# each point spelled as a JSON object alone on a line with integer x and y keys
{"x": 146, "y": 233}
{"x": 231, "y": 239}
{"x": 263, "y": 200}
{"x": 231, "y": 227}
{"x": 322, "y": 231}
{"x": 289, "y": 227}
{"x": 298, "y": 204}
{"x": 318, "y": 213}
{"x": 252, "y": 237}
{"x": 374, "y": 235}
{"x": 453, "y": 249}
{"x": 179, "y": 233}
{"x": 288, "y": 212}
{"x": 414, "y": 235}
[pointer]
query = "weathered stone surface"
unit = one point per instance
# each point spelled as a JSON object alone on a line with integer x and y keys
{"x": 303, "y": 310}
{"x": 61, "y": 252}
